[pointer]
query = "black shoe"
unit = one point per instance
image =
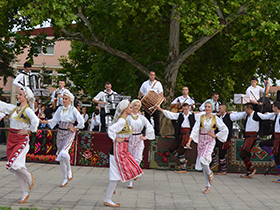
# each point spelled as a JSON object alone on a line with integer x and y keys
{"x": 158, "y": 134}
{"x": 249, "y": 175}
{"x": 4, "y": 143}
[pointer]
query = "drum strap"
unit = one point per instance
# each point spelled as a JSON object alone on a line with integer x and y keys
{"x": 154, "y": 84}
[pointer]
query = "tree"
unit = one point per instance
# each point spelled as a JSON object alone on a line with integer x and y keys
{"x": 166, "y": 36}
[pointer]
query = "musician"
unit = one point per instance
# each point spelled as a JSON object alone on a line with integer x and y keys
{"x": 152, "y": 84}
{"x": 214, "y": 100}
{"x": 274, "y": 142}
{"x": 254, "y": 92}
{"x": 185, "y": 98}
{"x": 95, "y": 120}
{"x": 97, "y": 99}
{"x": 183, "y": 129}
{"x": 57, "y": 95}
{"x": 19, "y": 80}
{"x": 85, "y": 116}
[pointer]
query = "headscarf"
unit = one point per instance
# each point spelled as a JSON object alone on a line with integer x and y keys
{"x": 29, "y": 96}
{"x": 69, "y": 94}
{"x": 209, "y": 101}
{"x": 121, "y": 106}
{"x": 136, "y": 100}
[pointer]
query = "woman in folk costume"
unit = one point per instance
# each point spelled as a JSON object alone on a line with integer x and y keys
{"x": 122, "y": 164}
{"x": 66, "y": 115}
{"x": 203, "y": 134}
{"x": 22, "y": 121}
{"x": 137, "y": 122}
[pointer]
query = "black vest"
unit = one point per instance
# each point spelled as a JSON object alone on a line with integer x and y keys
{"x": 255, "y": 117}
{"x": 179, "y": 122}
{"x": 226, "y": 119}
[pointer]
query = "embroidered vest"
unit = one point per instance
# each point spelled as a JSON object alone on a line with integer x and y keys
{"x": 22, "y": 117}
{"x": 213, "y": 124}
{"x": 229, "y": 124}
{"x": 126, "y": 129}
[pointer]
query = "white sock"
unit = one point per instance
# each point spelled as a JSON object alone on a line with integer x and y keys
{"x": 111, "y": 188}
{"x": 26, "y": 174}
{"x": 206, "y": 172}
{"x": 70, "y": 174}
{"x": 130, "y": 184}
{"x": 63, "y": 168}
{"x": 64, "y": 181}
{"x": 22, "y": 183}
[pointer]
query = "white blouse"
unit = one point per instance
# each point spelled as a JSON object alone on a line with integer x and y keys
{"x": 115, "y": 128}
{"x": 138, "y": 125}
{"x": 68, "y": 114}
{"x": 15, "y": 124}
{"x": 221, "y": 135}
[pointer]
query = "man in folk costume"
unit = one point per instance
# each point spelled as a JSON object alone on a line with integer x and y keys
{"x": 203, "y": 133}
{"x": 214, "y": 100}
{"x": 185, "y": 122}
{"x": 152, "y": 84}
{"x": 252, "y": 125}
{"x": 228, "y": 119}
{"x": 57, "y": 95}
{"x": 123, "y": 166}
{"x": 22, "y": 121}
{"x": 66, "y": 116}
{"x": 274, "y": 142}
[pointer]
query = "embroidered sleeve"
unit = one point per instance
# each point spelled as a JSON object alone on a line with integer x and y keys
{"x": 116, "y": 128}
{"x": 6, "y": 108}
{"x": 34, "y": 120}
{"x": 79, "y": 118}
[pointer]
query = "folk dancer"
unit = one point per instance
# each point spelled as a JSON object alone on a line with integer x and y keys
{"x": 228, "y": 119}
{"x": 57, "y": 95}
{"x": 97, "y": 99}
{"x": 123, "y": 166}
{"x": 203, "y": 134}
{"x": 19, "y": 80}
{"x": 186, "y": 121}
{"x": 254, "y": 92}
{"x": 22, "y": 122}
{"x": 274, "y": 142}
{"x": 152, "y": 84}
{"x": 214, "y": 100}
{"x": 252, "y": 125}
{"x": 65, "y": 115}
{"x": 137, "y": 123}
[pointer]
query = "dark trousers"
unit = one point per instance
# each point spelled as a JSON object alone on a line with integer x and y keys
{"x": 176, "y": 145}
{"x": 245, "y": 154}
{"x": 2, "y": 133}
{"x": 102, "y": 118}
{"x": 222, "y": 152}
{"x": 156, "y": 120}
{"x": 269, "y": 143}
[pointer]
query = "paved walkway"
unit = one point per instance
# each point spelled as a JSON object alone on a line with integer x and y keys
{"x": 156, "y": 189}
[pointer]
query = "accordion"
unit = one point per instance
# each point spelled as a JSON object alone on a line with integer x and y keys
{"x": 32, "y": 81}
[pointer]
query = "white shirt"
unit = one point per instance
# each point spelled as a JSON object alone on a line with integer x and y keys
{"x": 147, "y": 86}
{"x": 85, "y": 117}
{"x": 59, "y": 115}
{"x": 251, "y": 125}
{"x": 181, "y": 100}
{"x": 19, "y": 80}
{"x": 59, "y": 101}
{"x": 272, "y": 116}
{"x": 94, "y": 122}
{"x": 216, "y": 104}
{"x": 101, "y": 94}
{"x": 254, "y": 93}
{"x": 15, "y": 124}
{"x": 175, "y": 116}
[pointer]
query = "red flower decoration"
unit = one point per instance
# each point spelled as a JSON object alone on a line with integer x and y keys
{"x": 165, "y": 159}
{"x": 87, "y": 154}
{"x": 166, "y": 154}
{"x": 160, "y": 154}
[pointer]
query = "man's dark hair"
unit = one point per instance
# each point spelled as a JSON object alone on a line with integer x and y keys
{"x": 215, "y": 93}
{"x": 108, "y": 83}
{"x": 249, "y": 106}
{"x": 27, "y": 65}
{"x": 185, "y": 104}
{"x": 254, "y": 78}
{"x": 277, "y": 104}
{"x": 61, "y": 80}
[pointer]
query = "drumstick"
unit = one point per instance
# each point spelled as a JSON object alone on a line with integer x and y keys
{"x": 152, "y": 107}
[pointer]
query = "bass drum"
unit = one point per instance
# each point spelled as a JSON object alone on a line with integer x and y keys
{"x": 266, "y": 126}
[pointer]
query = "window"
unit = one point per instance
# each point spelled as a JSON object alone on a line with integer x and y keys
{"x": 49, "y": 50}
{"x": 39, "y": 50}
{"x": 47, "y": 77}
